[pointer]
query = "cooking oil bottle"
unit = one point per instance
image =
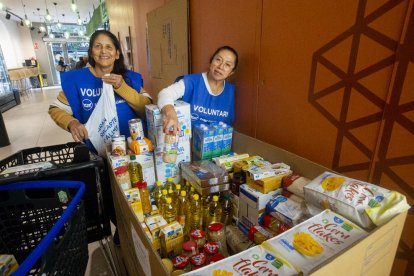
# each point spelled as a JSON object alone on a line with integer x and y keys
{"x": 169, "y": 184}
{"x": 157, "y": 192}
{"x": 190, "y": 193}
{"x": 145, "y": 197}
{"x": 162, "y": 201}
{"x": 195, "y": 214}
{"x": 134, "y": 170}
{"x": 170, "y": 212}
{"x": 214, "y": 211}
{"x": 227, "y": 207}
{"x": 206, "y": 204}
{"x": 177, "y": 193}
{"x": 182, "y": 208}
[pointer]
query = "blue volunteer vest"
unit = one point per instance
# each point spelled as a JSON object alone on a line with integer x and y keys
{"x": 204, "y": 106}
{"x": 83, "y": 90}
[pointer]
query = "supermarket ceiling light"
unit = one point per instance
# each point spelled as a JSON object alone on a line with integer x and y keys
{"x": 66, "y": 35}
{"x": 42, "y": 29}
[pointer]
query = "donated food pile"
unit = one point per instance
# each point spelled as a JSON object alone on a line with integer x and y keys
{"x": 261, "y": 217}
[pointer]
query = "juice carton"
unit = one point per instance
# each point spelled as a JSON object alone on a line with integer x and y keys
{"x": 134, "y": 200}
{"x": 203, "y": 141}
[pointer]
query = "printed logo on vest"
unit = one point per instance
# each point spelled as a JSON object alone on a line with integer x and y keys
{"x": 87, "y": 104}
{"x": 194, "y": 116}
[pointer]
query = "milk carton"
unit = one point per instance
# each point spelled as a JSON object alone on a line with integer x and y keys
{"x": 203, "y": 142}
{"x": 227, "y": 138}
{"x": 218, "y": 140}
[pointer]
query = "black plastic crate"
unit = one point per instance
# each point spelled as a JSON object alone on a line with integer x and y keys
{"x": 46, "y": 235}
{"x": 71, "y": 161}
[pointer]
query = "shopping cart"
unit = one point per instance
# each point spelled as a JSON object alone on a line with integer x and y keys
{"x": 70, "y": 161}
{"x": 44, "y": 227}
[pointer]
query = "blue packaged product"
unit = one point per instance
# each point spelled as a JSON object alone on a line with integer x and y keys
{"x": 227, "y": 138}
{"x": 203, "y": 141}
{"x": 218, "y": 140}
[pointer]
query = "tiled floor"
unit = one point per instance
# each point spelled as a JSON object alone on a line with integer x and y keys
{"x": 29, "y": 125}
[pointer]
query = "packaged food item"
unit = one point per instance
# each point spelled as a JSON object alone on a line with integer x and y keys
{"x": 259, "y": 260}
{"x": 258, "y": 234}
{"x": 259, "y": 172}
{"x": 216, "y": 233}
{"x": 118, "y": 145}
{"x": 205, "y": 173}
{"x": 199, "y": 236}
{"x": 292, "y": 196}
{"x": 237, "y": 241}
{"x": 182, "y": 262}
{"x": 140, "y": 146}
{"x": 171, "y": 239}
{"x": 157, "y": 192}
{"x": 288, "y": 211}
{"x": 145, "y": 197}
{"x": 8, "y": 264}
{"x": 294, "y": 183}
{"x": 362, "y": 202}
{"x": 168, "y": 264}
{"x": 227, "y": 209}
{"x": 226, "y": 161}
{"x": 190, "y": 248}
{"x": 134, "y": 199}
{"x": 198, "y": 260}
{"x": 275, "y": 225}
{"x": 182, "y": 208}
{"x": 154, "y": 224}
{"x": 135, "y": 129}
{"x": 217, "y": 257}
{"x": 170, "y": 148}
{"x": 316, "y": 240}
{"x": 210, "y": 248}
{"x": 214, "y": 211}
{"x": 122, "y": 177}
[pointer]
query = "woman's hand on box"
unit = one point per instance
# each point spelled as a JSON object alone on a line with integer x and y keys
{"x": 170, "y": 120}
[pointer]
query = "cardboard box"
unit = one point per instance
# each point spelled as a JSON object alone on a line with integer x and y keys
{"x": 155, "y": 122}
{"x": 373, "y": 255}
{"x": 165, "y": 170}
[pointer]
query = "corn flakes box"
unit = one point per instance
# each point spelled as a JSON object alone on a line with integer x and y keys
{"x": 258, "y": 260}
{"x": 316, "y": 240}
{"x": 364, "y": 203}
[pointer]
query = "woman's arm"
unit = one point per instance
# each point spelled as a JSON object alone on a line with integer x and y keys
{"x": 137, "y": 101}
{"x": 61, "y": 113}
{"x": 166, "y": 99}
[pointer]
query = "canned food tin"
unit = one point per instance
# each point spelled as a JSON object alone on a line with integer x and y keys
{"x": 135, "y": 129}
{"x": 118, "y": 145}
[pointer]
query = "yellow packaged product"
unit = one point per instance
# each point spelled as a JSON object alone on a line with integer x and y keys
{"x": 171, "y": 239}
{"x": 364, "y": 203}
{"x": 154, "y": 224}
{"x": 8, "y": 264}
{"x": 316, "y": 240}
{"x": 134, "y": 200}
{"x": 258, "y": 260}
{"x": 147, "y": 231}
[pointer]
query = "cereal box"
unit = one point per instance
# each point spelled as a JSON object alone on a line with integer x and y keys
{"x": 258, "y": 260}
{"x": 316, "y": 240}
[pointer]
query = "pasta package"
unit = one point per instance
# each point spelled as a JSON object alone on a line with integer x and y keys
{"x": 364, "y": 203}
{"x": 316, "y": 240}
{"x": 258, "y": 260}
